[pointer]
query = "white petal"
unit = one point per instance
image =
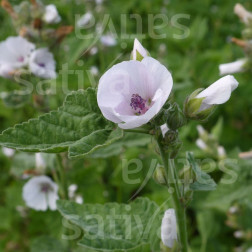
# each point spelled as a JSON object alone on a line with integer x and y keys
{"x": 219, "y": 92}
{"x": 7, "y": 71}
{"x": 52, "y": 199}
{"x": 138, "y": 47}
{"x": 169, "y": 228}
{"x": 85, "y": 19}
{"x": 51, "y": 15}
{"x": 42, "y": 64}
{"x": 15, "y": 52}
{"x": 201, "y": 144}
{"x": 8, "y": 152}
{"x": 164, "y": 129}
{"x": 201, "y": 130}
{"x": 233, "y": 67}
{"x": 108, "y": 40}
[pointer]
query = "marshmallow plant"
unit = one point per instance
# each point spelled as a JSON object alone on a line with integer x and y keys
{"x": 133, "y": 96}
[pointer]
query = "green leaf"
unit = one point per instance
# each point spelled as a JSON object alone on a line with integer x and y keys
{"x": 78, "y": 127}
{"x": 234, "y": 185}
{"x": 203, "y": 182}
{"x": 47, "y": 244}
{"x": 116, "y": 227}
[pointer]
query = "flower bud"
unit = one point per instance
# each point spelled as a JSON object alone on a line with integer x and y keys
{"x": 169, "y": 228}
{"x": 139, "y": 52}
{"x": 192, "y": 107}
{"x": 200, "y": 104}
{"x": 175, "y": 117}
{"x": 159, "y": 175}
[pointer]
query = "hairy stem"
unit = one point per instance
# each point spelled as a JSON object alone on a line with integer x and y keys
{"x": 63, "y": 184}
{"x": 172, "y": 183}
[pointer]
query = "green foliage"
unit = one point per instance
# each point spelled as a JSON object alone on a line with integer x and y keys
{"x": 203, "y": 181}
{"x": 46, "y": 244}
{"x": 78, "y": 126}
{"x": 116, "y": 227}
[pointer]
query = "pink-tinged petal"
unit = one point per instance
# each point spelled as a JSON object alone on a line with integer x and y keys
{"x": 162, "y": 78}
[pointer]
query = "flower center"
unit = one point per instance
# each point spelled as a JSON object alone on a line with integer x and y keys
{"x": 139, "y": 104}
{"x": 45, "y": 188}
{"x": 41, "y": 64}
{"x": 20, "y": 59}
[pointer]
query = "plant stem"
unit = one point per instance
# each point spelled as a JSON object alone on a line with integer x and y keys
{"x": 178, "y": 205}
{"x": 61, "y": 170}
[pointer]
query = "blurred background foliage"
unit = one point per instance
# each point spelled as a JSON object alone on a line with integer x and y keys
{"x": 193, "y": 62}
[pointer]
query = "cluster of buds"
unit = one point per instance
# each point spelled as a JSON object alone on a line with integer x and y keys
{"x": 34, "y": 21}
{"x": 245, "y": 43}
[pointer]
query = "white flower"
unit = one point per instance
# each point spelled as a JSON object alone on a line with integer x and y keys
{"x": 131, "y": 93}
{"x": 8, "y": 152}
{"x": 139, "y": 51}
{"x": 108, "y": 40}
{"x": 169, "y": 228}
{"x": 249, "y": 250}
{"x": 85, "y": 19}
{"x": 243, "y": 14}
{"x": 51, "y": 15}
{"x": 42, "y": 64}
{"x": 201, "y": 144}
{"x": 233, "y": 67}
{"x": 40, "y": 162}
{"x": 40, "y": 193}
{"x": 14, "y": 54}
{"x": 218, "y": 93}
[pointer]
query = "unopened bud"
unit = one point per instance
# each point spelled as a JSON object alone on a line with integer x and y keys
{"x": 139, "y": 52}
{"x": 175, "y": 117}
{"x": 193, "y": 108}
{"x": 159, "y": 175}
